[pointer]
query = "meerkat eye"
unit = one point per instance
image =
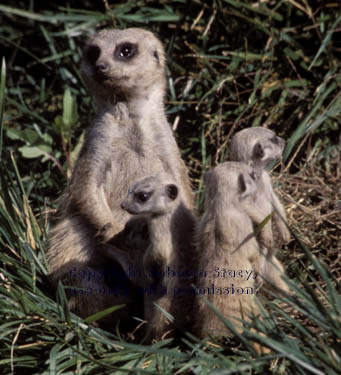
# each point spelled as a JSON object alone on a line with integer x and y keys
{"x": 275, "y": 140}
{"x": 125, "y": 51}
{"x": 143, "y": 196}
{"x": 241, "y": 183}
{"x": 258, "y": 151}
{"x": 172, "y": 191}
{"x": 92, "y": 54}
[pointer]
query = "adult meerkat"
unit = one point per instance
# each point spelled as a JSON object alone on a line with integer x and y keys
{"x": 257, "y": 147}
{"x": 128, "y": 139}
{"x": 170, "y": 260}
{"x": 229, "y": 253}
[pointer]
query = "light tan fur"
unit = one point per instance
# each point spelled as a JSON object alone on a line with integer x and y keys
{"x": 257, "y": 147}
{"x": 225, "y": 240}
{"x": 171, "y": 226}
{"x": 129, "y": 138}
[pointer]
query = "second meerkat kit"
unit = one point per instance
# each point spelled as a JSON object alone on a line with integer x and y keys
{"x": 225, "y": 238}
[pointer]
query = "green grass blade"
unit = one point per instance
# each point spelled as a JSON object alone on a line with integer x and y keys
{"x": 2, "y": 102}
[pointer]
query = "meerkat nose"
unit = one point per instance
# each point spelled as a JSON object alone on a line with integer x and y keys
{"x": 102, "y": 67}
{"x": 123, "y": 206}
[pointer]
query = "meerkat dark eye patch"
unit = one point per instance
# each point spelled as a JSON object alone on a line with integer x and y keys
{"x": 275, "y": 140}
{"x": 142, "y": 196}
{"x": 258, "y": 151}
{"x": 125, "y": 51}
{"x": 172, "y": 191}
{"x": 92, "y": 54}
{"x": 156, "y": 55}
{"x": 241, "y": 183}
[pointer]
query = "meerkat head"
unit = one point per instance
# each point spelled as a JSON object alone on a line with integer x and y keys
{"x": 256, "y": 146}
{"x": 231, "y": 181}
{"x": 151, "y": 195}
{"x": 123, "y": 63}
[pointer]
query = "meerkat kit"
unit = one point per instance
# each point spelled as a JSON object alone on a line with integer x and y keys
{"x": 257, "y": 147}
{"x": 225, "y": 238}
{"x": 128, "y": 208}
{"x": 171, "y": 226}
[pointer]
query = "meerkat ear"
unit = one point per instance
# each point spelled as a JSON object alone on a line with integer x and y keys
{"x": 278, "y": 141}
{"x": 172, "y": 191}
{"x": 258, "y": 151}
{"x": 241, "y": 184}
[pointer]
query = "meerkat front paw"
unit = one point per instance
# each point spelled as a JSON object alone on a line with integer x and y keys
{"x": 283, "y": 231}
{"x": 266, "y": 237}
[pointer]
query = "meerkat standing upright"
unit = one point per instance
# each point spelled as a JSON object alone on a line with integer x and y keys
{"x": 170, "y": 254}
{"x": 128, "y": 139}
{"x": 228, "y": 250}
{"x": 257, "y": 147}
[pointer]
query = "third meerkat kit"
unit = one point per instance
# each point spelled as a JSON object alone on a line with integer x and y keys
{"x": 257, "y": 147}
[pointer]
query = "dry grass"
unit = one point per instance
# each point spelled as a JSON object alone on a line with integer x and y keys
{"x": 312, "y": 200}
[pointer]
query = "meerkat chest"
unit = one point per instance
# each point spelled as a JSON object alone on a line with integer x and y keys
{"x": 134, "y": 138}
{"x": 263, "y": 195}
